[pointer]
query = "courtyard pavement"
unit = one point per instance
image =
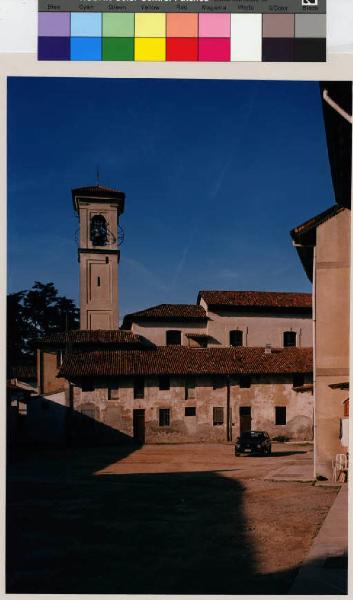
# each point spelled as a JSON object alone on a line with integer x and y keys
{"x": 324, "y": 570}
{"x": 161, "y": 519}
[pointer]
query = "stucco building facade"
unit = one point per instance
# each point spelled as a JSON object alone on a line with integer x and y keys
{"x": 232, "y": 361}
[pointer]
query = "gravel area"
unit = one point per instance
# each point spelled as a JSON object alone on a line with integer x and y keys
{"x": 173, "y": 519}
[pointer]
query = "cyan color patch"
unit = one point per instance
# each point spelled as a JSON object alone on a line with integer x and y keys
{"x": 86, "y": 25}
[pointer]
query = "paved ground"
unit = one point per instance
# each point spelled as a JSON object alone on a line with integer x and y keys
{"x": 160, "y": 519}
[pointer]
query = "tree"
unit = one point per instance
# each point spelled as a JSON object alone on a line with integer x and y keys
{"x": 33, "y": 314}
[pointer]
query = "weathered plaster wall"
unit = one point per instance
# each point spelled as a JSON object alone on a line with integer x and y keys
{"x": 156, "y": 332}
{"x": 47, "y": 373}
{"x": 332, "y": 280}
{"x": 262, "y": 396}
{"x": 259, "y": 330}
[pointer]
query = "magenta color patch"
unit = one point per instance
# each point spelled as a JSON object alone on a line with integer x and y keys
{"x": 211, "y": 49}
{"x": 214, "y": 26}
{"x": 53, "y": 24}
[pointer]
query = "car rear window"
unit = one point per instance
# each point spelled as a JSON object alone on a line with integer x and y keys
{"x": 252, "y": 434}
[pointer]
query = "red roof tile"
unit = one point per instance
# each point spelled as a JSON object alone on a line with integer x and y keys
{"x": 167, "y": 312}
{"x": 181, "y": 360}
{"x": 314, "y": 222}
{"x": 97, "y": 336}
{"x": 100, "y": 193}
{"x": 236, "y": 299}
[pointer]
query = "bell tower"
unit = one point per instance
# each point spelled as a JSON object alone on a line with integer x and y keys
{"x": 98, "y": 209}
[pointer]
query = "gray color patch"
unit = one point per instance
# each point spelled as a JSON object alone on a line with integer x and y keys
{"x": 310, "y": 26}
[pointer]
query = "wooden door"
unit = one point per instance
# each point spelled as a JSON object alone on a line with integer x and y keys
{"x": 139, "y": 425}
{"x": 245, "y": 418}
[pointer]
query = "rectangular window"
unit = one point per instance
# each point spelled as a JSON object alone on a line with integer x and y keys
{"x": 164, "y": 383}
{"x": 113, "y": 392}
{"x": 218, "y": 417}
{"x": 236, "y": 338}
{"x": 289, "y": 339}
{"x": 190, "y": 411}
{"x": 164, "y": 417}
{"x": 139, "y": 388}
{"x": 173, "y": 338}
{"x": 245, "y": 411}
{"x": 245, "y": 381}
{"x": 190, "y": 386}
{"x": 281, "y": 415}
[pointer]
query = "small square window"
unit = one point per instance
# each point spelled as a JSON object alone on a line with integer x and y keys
{"x": 139, "y": 388}
{"x": 164, "y": 417}
{"x": 88, "y": 386}
{"x": 218, "y": 416}
{"x": 190, "y": 411}
{"x": 113, "y": 392}
{"x": 173, "y": 337}
{"x": 164, "y": 383}
{"x": 245, "y": 381}
{"x": 281, "y": 415}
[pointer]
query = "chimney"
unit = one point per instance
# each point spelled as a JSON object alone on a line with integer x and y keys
{"x": 268, "y": 349}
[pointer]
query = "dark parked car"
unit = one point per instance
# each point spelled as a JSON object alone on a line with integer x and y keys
{"x": 256, "y": 442}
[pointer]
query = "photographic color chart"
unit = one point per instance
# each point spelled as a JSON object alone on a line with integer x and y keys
{"x": 182, "y": 30}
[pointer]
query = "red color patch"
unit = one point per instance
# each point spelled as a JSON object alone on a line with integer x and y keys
{"x": 182, "y": 49}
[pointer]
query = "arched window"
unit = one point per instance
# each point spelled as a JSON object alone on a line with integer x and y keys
{"x": 98, "y": 231}
{"x": 289, "y": 339}
{"x": 236, "y": 337}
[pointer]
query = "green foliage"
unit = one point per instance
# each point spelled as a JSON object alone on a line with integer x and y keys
{"x": 35, "y": 313}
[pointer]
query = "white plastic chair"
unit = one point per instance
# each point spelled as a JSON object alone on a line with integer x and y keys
{"x": 339, "y": 467}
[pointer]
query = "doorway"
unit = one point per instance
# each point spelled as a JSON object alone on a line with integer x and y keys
{"x": 139, "y": 425}
{"x": 245, "y": 418}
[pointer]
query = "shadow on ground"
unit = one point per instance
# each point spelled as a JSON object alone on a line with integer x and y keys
{"x": 177, "y": 533}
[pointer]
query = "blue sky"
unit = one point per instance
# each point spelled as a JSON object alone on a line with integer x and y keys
{"x": 215, "y": 173}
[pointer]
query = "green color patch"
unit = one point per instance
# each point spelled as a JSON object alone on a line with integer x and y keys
{"x": 118, "y": 25}
{"x": 118, "y": 48}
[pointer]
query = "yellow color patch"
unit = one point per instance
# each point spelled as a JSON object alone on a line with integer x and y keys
{"x": 150, "y": 25}
{"x": 150, "y": 49}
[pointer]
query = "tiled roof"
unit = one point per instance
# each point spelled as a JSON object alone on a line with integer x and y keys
{"x": 167, "y": 312}
{"x": 305, "y": 237}
{"x": 256, "y": 299}
{"x": 314, "y": 222}
{"x": 98, "y": 336}
{"x": 22, "y": 372}
{"x": 98, "y": 192}
{"x": 181, "y": 360}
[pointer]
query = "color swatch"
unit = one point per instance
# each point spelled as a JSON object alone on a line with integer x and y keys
{"x": 174, "y": 36}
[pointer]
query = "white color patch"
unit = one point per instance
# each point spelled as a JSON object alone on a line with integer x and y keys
{"x": 246, "y": 34}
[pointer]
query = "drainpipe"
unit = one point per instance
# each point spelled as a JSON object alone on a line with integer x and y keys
{"x": 314, "y": 360}
{"x": 229, "y": 413}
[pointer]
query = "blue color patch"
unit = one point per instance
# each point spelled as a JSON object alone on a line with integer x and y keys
{"x": 86, "y": 48}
